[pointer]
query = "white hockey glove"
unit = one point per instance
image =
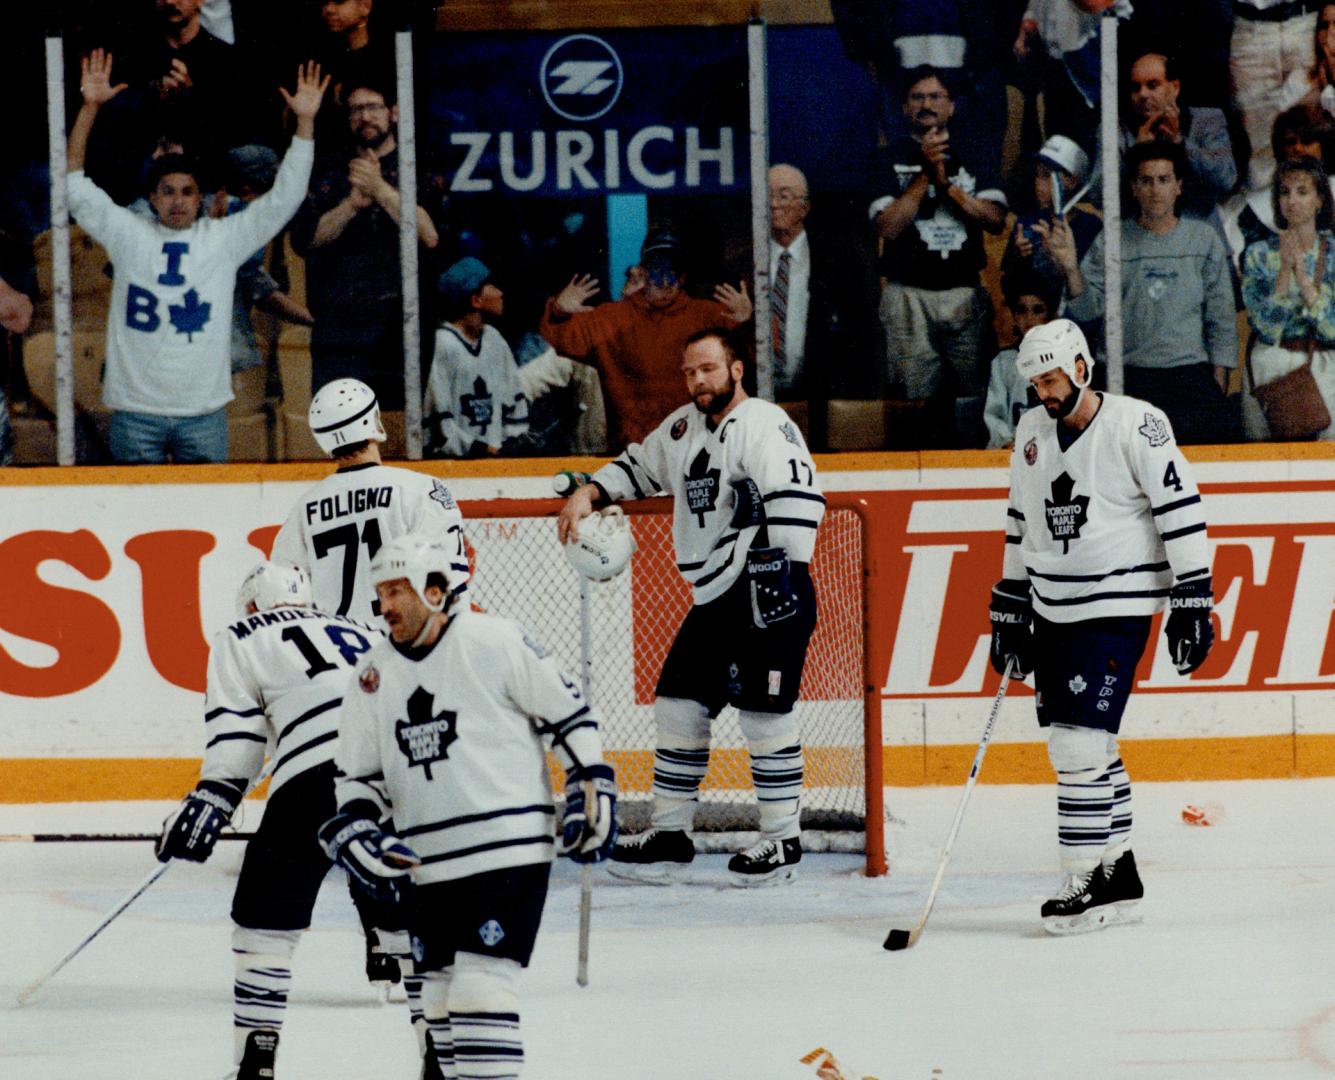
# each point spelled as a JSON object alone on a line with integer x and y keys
{"x": 191, "y": 830}
{"x": 377, "y": 861}
{"x": 589, "y": 827}
{"x": 772, "y": 596}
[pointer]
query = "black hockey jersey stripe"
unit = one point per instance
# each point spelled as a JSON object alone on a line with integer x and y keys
{"x": 789, "y": 493}
{"x": 1193, "y": 573}
{"x": 310, "y": 714}
{"x": 630, "y": 475}
{"x": 1012, "y": 512}
{"x": 1129, "y": 594}
{"x": 705, "y": 579}
{"x": 235, "y": 735}
{"x": 1175, "y": 534}
{"x": 1168, "y": 508}
{"x": 518, "y": 841}
{"x": 213, "y": 714}
{"x": 805, "y": 523}
{"x": 1013, "y": 539}
{"x": 328, "y": 736}
{"x": 473, "y": 819}
{"x": 719, "y": 544}
{"x": 1143, "y": 568}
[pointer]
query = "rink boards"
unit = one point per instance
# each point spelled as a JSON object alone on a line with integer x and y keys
{"x": 113, "y": 580}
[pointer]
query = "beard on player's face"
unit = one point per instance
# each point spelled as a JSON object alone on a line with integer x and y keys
{"x": 713, "y": 400}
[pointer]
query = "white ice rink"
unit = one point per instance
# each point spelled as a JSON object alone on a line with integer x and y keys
{"x": 1230, "y": 975}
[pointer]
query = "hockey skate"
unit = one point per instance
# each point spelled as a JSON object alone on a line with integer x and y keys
{"x": 657, "y": 856}
{"x": 1124, "y": 887}
{"x": 1084, "y": 904}
{"x": 257, "y": 1063}
{"x": 768, "y": 862}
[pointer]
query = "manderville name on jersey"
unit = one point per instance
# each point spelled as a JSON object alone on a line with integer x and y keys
{"x": 356, "y": 501}
{"x": 242, "y": 629}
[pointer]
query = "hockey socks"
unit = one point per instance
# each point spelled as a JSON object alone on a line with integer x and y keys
{"x": 1084, "y": 794}
{"x": 1119, "y": 832}
{"x": 776, "y": 770}
{"x": 486, "y": 1045}
{"x": 263, "y": 979}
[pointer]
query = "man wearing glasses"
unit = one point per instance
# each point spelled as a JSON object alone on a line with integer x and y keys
{"x": 348, "y": 232}
{"x": 935, "y": 205}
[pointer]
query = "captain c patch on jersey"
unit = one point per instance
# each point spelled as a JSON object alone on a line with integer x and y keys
{"x": 1066, "y": 512}
{"x": 425, "y": 737}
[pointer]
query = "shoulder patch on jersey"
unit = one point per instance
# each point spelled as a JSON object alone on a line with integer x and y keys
{"x": 1155, "y": 430}
{"x": 369, "y": 680}
{"x": 441, "y": 494}
{"x": 1067, "y": 513}
{"x": 425, "y": 737}
{"x": 535, "y": 645}
{"x": 678, "y": 429}
{"x": 790, "y": 433}
{"x": 1031, "y": 452}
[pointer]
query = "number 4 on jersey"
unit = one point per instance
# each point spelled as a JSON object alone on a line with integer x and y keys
{"x": 1170, "y": 477}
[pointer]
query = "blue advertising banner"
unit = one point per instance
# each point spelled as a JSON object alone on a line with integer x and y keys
{"x": 658, "y": 111}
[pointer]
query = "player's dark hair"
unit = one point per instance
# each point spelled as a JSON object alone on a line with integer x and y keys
{"x": 1311, "y": 168}
{"x": 349, "y": 449}
{"x": 735, "y": 345}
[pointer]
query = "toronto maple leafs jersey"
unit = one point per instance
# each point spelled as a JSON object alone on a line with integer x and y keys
{"x": 275, "y": 681}
{"x": 169, "y": 329}
{"x": 477, "y": 392}
{"x": 697, "y": 464}
{"x": 1104, "y": 527}
{"x": 452, "y": 741}
{"x": 337, "y": 527}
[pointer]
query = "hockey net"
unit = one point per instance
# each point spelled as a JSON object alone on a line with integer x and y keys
{"x": 618, "y": 634}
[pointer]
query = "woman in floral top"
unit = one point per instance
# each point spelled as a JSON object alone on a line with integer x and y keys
{"x": 1290, "y": 304}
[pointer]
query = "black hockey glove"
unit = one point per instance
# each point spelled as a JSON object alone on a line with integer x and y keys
{"x": 1188, "y": 627}
{"x": 191, "y": 830}
{"x": 748, "y": 506}
{"x": 589, "y": 827}
{"x": 772, "y": 596}
{"x": 1012, "y": 614}
{"x": 377, "y": 861}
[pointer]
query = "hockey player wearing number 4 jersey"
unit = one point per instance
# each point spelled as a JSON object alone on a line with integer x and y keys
{"x": 445, "y": 726}
{"x": 746, "y": 511}
{"x": 1104, "y": 529}
{"x": 276, "y": 675}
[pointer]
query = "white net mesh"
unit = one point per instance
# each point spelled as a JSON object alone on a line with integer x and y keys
{"x": 519, "y": 572}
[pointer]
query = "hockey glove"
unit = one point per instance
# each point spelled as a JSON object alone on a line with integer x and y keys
{"x": 589, "y": 827}
{"x": 772, "y": 596}
{"x": 1188, "y": 627}
{"x": 1012, "y": 615}
{"x": 377, "y": 861}
{"x": 748, "y": 507}
{"x": 192, "y": 829}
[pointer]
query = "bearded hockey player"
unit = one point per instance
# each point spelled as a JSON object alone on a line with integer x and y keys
{"x": 1105, "y": 528}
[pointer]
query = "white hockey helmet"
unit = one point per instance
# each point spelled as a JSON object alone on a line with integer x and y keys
{"x": 342, "y": 412}
{"x": 272, "y": 585}
{"x": 416, "y": 556}
{"x": 1055, "y": 346}
{"x": 602, "y": 546}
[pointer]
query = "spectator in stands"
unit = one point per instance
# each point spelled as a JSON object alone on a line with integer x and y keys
{"x": 1302, "y": 131}
{"x": 936, "y": 315}
{"x": 1032, "y": 302}
{"x": 348, "y": 232}
{"x": 1061, "y": 168}
{"x": 355, "y": 52}
{"x": 477, "y": 397}
{"x": 1180, "y": 334}
{"x": 168, "y": 370}
{"x": 1156, "y": 112}
{"x": 1288, "y": 284}
{"x": 826, "y": 339}
{"x": 18, "y": 287}
{"x": 636, "y": 342}
{"x": 1271, "y": 41}
{"x": 1315, "y": 85}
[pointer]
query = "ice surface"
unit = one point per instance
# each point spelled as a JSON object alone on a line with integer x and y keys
{"x": 1230, "y": 975}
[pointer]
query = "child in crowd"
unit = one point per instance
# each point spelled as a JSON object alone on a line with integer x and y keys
{"x": 1032, "y": 303}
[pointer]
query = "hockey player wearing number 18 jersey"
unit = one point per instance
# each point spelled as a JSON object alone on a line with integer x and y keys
{"x": 1105, "y": 528}
{"x": 745, "y": 514}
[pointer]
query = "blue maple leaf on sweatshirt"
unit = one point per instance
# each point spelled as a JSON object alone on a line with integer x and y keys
{"x": 190, "y": 317}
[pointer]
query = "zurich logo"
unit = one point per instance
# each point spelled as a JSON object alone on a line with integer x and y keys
{"x": 581, "y": 77}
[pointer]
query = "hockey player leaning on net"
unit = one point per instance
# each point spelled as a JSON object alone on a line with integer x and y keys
{"x": 446, "y": 726}
{"x": 746, "y": 510}
{"x": 1105, "y": 527}
{"x": 280, "y": 672}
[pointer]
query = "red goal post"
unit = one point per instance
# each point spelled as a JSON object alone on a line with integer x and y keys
{"x": 519, "y": 572}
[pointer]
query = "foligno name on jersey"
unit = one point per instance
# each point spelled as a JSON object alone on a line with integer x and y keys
{"x": 697, "y": 464}
{"x": 1105, "y": 526}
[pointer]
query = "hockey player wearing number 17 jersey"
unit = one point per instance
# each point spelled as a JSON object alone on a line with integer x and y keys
{"x": 1105, "y": 528}
{"x": 746, "y": 510}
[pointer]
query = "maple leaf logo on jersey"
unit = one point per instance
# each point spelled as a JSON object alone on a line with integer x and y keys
{"x": 441, "y": 494}
{"x": 1155, "y": 430}
{"x": 701, "y": 487}
{"x": 426, "y": 735}
{"x": 1067, "y": 512}
{"x": 190, "y": 317}
{"x": 477, "y": 405}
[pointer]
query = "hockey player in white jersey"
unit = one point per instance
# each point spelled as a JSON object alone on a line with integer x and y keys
{"x": 445, "y": 727}
{"x": 1105, "y": 528}
{"x": 276, "y": 678}
{"x": 746, "y": 511}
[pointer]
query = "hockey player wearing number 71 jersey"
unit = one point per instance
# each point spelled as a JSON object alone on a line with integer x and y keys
{"x": 1105, "y": 528}
{"x": 746, "y": 510}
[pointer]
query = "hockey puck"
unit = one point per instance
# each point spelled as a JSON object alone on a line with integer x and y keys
{"x": 897, "y": 939}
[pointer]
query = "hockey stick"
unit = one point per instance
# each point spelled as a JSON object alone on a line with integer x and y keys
{"x": 906, "y": 939}
{"x": 97, "y": 838}
{"x": 590, "y": 805}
